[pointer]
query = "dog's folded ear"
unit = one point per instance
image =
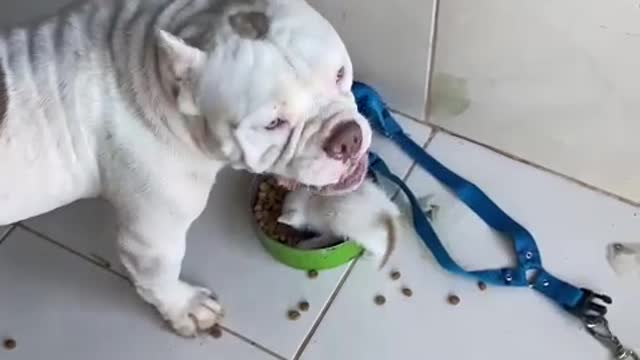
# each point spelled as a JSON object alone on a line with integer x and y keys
{"x": 183, "y": 63}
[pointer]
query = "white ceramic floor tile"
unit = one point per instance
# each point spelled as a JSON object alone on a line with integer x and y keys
{"x": 57, "y": 305}
{"x": 389, "y": 44}
{"x": 572, "y": 225}
{"x": 521, "y": 77}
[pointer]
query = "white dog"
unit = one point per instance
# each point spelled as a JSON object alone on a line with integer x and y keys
{"x": 142, "y": 102}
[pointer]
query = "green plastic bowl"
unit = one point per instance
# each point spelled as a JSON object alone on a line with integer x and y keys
{"x": 317, "y": 259}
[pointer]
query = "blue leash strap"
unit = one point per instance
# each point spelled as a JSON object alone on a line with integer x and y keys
{"x": 580, "y": 302}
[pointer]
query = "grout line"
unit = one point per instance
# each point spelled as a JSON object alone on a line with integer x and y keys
{"x": 411, "y": 117}
{"x": 426, "y": 144}
{"x": 99, "y": 265}
{"x": 74, "y": 252}
{"x": 323, "y": 312}
{"x": 541, "y": 167}
{"x": 578, "y": 182}
{"x": 414, "y": 164}
{"x": 5, "y": 236}
{"x": 253, "y": 343}
{"x": 431, "y": 60}
{"x": 434, "y": 132}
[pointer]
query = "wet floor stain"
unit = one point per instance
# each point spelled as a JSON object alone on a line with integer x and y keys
{"x": 449, "y": 95}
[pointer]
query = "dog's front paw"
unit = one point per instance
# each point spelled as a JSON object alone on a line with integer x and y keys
{"x": 197, "y": 312}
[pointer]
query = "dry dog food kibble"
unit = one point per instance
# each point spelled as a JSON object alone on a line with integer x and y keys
{"x": 293, "y": 315}
{"x": 9, "y": 344}
{"x": 379, "y": 300}
{"x": 312, "y": 274}
{"x": 407, "y": 292}
{"x": 267, "y": 208}
{"x": 304, "y": 306}
{"x": 395, "y": 275}
{"x": 482, "y": 286}
{"x": 453, "y": 299}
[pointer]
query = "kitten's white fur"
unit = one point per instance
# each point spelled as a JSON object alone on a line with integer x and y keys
{"x": 366, "y": 215}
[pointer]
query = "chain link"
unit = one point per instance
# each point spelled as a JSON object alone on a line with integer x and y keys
{"x": 598, "y": 327}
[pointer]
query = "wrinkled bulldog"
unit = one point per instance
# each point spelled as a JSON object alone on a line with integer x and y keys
{"x": 142, "y": 102}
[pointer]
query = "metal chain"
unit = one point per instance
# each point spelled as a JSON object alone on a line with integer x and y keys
{"x": 598, "y": 327}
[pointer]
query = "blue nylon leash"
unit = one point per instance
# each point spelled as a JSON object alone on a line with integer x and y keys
{"x": 583, "y": 303}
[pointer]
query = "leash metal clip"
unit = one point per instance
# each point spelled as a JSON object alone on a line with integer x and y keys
{"x": 589, "y": 308}
{"x": 598, "y": 327}
{"x": 593, "y": 316}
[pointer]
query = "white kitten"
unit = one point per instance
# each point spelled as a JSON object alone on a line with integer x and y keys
{"x": 365, "y": 215}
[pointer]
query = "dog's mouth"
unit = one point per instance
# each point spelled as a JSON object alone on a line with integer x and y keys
{"x": 351, "y": 180}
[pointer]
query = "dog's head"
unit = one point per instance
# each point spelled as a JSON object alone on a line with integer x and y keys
{"x": 272, "y": 81}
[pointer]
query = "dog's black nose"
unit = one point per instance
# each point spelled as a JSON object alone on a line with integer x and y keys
{"x": 345, "y": 141}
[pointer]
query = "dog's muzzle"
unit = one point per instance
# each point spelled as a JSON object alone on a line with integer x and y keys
{"x": 345, "y": 141}
{"x": 345, "y": 144}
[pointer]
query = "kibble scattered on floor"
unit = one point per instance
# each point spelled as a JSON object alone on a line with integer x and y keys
{"x": 379, "y": 300}
{"x": 9, "y": 344}
{"x": 304, "y": 305}
{"x": 293, "y": 315}
{"x": 453, "y": 299}
{"x": 407, "y": 292}
{"x": 482, "y": 286}
{"x": 395, "y": 275}
{"x": 312, "y": 274}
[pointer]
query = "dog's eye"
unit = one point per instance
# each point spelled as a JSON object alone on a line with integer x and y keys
{"x": 279, "y": 122}
{"x": 340, "y": 75}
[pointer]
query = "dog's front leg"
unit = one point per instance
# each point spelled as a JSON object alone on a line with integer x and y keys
{"x": 152, "y": 249}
